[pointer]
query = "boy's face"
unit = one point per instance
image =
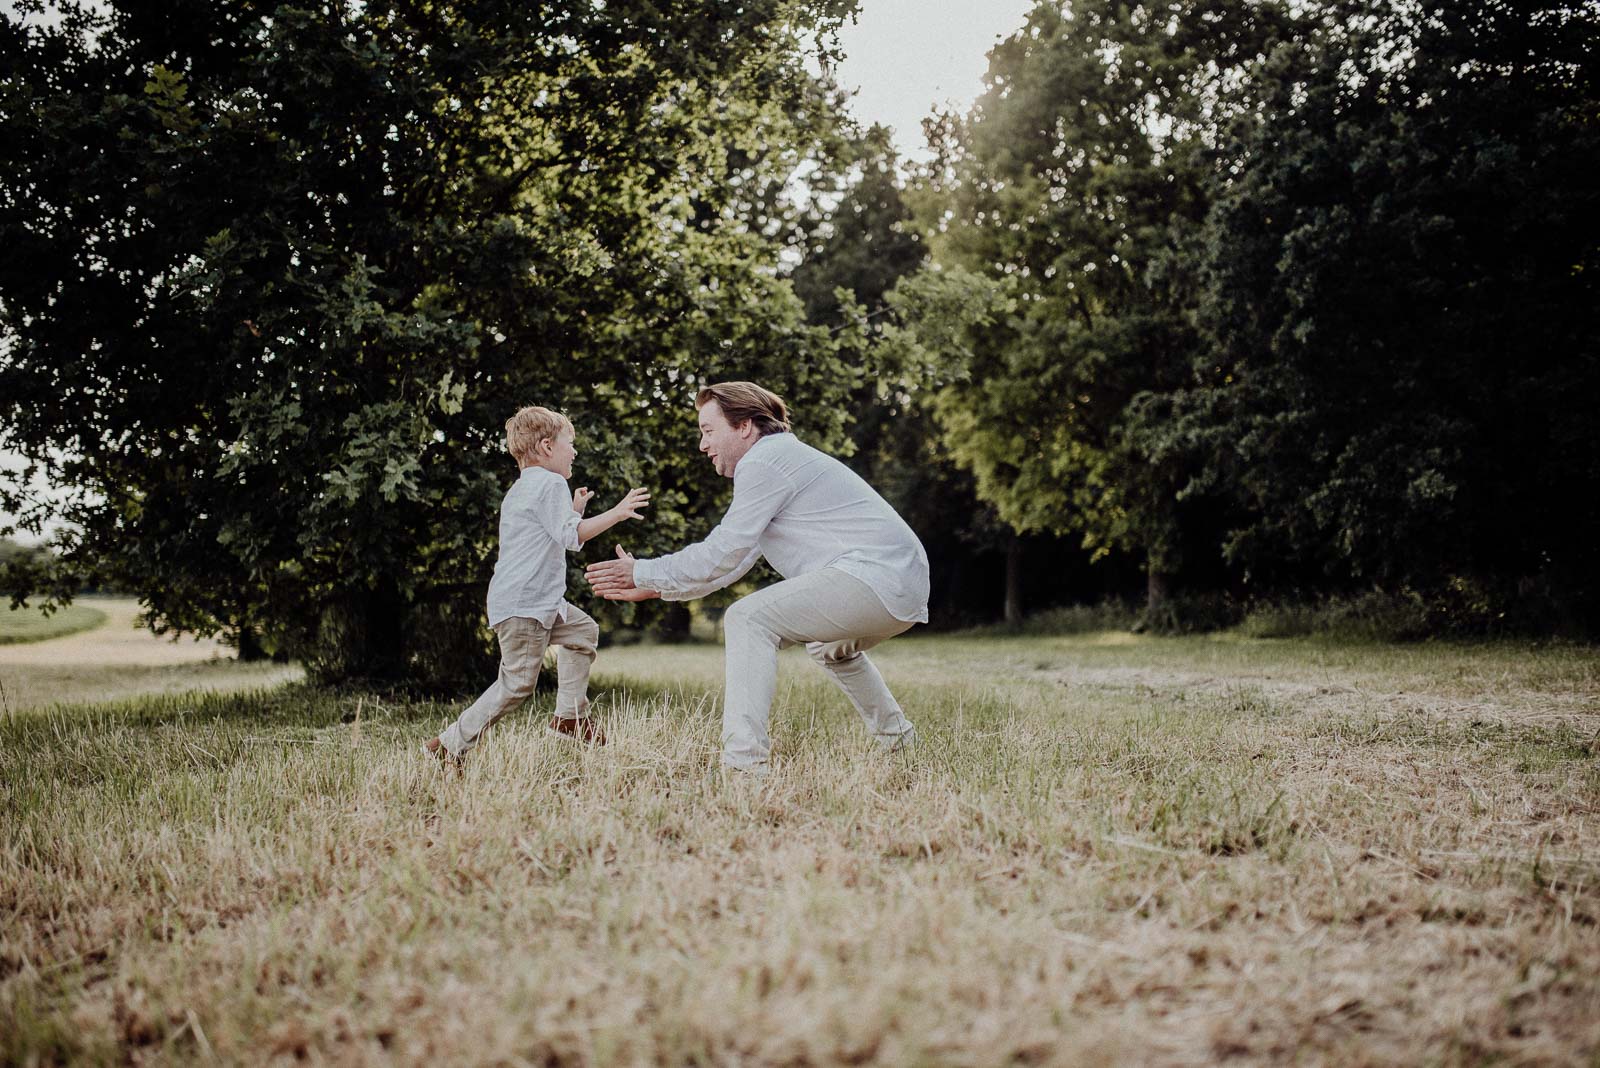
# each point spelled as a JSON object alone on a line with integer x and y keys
{"x": 557, "y": 453}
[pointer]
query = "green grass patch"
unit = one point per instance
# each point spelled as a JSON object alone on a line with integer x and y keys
{"x": 31, "y": 624}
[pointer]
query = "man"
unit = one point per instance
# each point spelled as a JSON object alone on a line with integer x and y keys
{"x": 853, "y": 572}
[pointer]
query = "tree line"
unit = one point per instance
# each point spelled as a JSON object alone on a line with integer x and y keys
{"x": 1221, "y": 300}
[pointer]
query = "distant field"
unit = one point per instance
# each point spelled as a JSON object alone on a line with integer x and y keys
{"x": 32, "y": 625}
{"x": 1108, "y": 850}
{"x": 118, "y": 660}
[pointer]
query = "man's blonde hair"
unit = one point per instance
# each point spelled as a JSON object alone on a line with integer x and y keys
{"x": 741, "y": 401}
{"x": 530, "y": 426}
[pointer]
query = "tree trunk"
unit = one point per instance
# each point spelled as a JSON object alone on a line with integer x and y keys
{"x": 249, "y": 645}
{"x": 672, "y": 625}
{"x": 1155, "y": 592}
{"x": 1013, "y": 609}
{"x": 1157, "y": 614}
{"x": 386, "y": 652}
{"x": 361, "y": 638}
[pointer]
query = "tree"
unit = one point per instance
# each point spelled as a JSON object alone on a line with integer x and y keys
{"x": 863, "y": 243}
{"x": 280, "y": 273}
{"x": 859, "y": 245}
{"x": 1401, "y": 279}
{"x": 1073, "y": 179}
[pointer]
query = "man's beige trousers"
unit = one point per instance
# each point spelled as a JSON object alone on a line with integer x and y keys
{"x": 836, "y": 617}
{"x": 522, "y": 645}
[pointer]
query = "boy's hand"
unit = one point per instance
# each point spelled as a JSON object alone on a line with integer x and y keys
{"x": 594, "y": 526}
{"x": 628, "y": 507}
{"x": 580, "y": 498}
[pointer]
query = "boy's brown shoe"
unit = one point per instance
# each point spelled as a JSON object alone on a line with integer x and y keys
{"x": 434, "y": 748}
{"x": 581, "y": 729}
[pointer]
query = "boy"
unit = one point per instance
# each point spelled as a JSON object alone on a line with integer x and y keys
{"x": 527, "y": 605}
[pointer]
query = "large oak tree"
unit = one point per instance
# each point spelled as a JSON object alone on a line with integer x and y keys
{"x": 278, "y": 273}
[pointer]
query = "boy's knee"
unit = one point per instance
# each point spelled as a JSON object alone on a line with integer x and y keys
{"x": 520, "y": 685}
{"x": 581, "y": 638}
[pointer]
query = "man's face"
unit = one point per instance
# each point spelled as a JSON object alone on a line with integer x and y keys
{"x": 725, "y": 444}
{"x": 561, "y": 452}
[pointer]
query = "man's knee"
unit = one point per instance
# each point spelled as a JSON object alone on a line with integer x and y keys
{"x": 740, "y": 616}
{"x": 747, "y": 620}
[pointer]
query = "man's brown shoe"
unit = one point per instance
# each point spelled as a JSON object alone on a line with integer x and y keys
{"x": 582, "y": 730}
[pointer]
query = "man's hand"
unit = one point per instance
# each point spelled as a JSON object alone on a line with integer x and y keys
{"x": 580, "y": 498}
{"x": 613, "y": 579}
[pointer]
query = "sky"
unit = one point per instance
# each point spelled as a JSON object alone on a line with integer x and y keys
{"x": 902, "y": 58}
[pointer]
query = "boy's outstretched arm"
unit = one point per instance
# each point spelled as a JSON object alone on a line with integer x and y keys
{"x": 627, "y": 508}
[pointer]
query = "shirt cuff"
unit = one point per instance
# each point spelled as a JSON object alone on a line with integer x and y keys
{"x": 644, "y": 576}
{"x": 569, "y": 531}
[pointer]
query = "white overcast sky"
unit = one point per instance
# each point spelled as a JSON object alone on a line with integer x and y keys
{"x": 903, "y": 57}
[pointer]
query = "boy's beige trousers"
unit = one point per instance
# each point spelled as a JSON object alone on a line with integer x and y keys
{"x": 836, "y": 617}
{"x": 522, "y": 645}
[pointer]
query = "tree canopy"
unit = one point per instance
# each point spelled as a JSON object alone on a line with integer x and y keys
{"x": 1400, "y": 281}
{"x": 1076, "y": 185}
{"x": 1279, "y": 297}
{"x": 1257, "y": 297}
{"x": 281, "y": 272}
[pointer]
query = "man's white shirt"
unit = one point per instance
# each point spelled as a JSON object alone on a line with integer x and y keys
{"x": 804, "y": 511}
{"x": 537, "y": 529}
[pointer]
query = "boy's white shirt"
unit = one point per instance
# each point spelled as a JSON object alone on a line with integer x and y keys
{"x": 804, "y": 511}
{"x": 537, "y": 528}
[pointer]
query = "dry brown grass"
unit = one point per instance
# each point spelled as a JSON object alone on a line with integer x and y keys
{"x": 1107, "y": 849}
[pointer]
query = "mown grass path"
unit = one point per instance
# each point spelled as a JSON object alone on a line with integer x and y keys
{"x": 21, "y": 625}
{"x": 1107, "y": 849}
{"x": 116, "y": 658}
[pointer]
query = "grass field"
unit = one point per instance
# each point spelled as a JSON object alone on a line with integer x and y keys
{"x": 30, "y": 624}
{"x": 1107, "y": 849}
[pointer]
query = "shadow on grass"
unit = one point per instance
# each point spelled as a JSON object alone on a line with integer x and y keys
{"x": 185, "y": 750}
{"x": 292, "y": 704}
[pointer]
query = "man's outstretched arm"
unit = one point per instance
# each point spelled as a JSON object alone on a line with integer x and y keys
{"x": 618, "y": 580}
{"x": 760, "y": 491}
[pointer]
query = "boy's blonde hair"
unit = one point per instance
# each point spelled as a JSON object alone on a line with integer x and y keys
{"x": 530, "y": 426}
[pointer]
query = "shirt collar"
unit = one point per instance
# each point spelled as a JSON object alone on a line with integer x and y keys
{"x": 766, "y": 438}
